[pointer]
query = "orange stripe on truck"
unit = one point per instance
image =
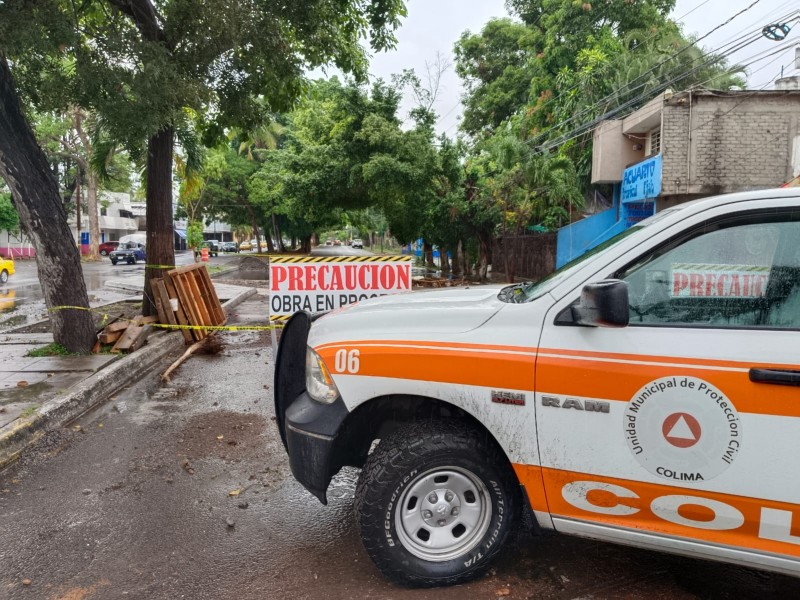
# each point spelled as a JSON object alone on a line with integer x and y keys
{"x": 445, "y": 365}
{"x": 621, "y": 380}
{"x": 602, "y": 375}
{"x": 714, "y": 517}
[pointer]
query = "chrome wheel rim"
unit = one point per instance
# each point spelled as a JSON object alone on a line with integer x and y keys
{"x": 443, "y": 514}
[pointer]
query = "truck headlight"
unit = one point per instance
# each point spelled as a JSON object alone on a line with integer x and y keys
{"x": 319, "y": 382}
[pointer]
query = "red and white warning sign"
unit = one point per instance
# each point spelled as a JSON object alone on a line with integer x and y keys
{"x": 323, "y": 283}
{"x": 718, "y": 281}
{"x": 682, "y": 428}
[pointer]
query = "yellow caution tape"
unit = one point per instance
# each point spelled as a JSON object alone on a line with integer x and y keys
{"x": 337, "y": 259}
{"x": 177, "y": 327}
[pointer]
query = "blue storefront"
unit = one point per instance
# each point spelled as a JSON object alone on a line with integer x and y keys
{"x": 634, "y": 200}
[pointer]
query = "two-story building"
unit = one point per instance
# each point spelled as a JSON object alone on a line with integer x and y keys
{"x": 687, "y": 145}
{"x": 116, "y": 219}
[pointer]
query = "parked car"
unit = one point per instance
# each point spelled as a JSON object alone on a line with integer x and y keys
{"x": 245, "y": 246}
{"x": 357, "y": 243}
{"x": 212, "y": 245}
{"x": 646, "y": 394}
{"x": 230, "y": 247}
{"x": 329, "y": 242}
{"x": 107, "y": 248}
{"x": 337, "y": 242}
{"x": 6, "y": 269}
{"x": 129, "y": 252}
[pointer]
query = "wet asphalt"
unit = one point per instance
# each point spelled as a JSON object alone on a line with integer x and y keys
{"x": 182, "y": 490}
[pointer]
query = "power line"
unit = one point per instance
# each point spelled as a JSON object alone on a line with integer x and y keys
{"x": 543, "y": 150}
{"x": 753, "y": 34}
{"x": 552, "y": 99}
{"x": 627, "y": 104}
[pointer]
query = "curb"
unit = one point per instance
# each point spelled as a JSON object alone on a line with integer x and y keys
{"x": 21, "y": 433}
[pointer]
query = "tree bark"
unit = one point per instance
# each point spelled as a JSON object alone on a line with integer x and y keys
{"x": 444, "y": 263}
{"x": 78, "y": 117}
{"x": 461, "y": 260}
{"x": 34, "y": 191}
{"x": 94, "y": 220}
{"x": 160, "y": 249}
{"x": 276, "y": 228}
{"x": 427, "y": 253}
{"x": 484, "y": 256}
{"x": 78, "y": 194}
{"x": 268, "y": 239}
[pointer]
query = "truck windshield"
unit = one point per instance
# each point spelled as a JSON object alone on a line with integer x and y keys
{"x": 530, "y": 291}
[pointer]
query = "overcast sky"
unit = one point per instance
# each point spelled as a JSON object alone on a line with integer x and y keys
{"x": 435, "y": 25}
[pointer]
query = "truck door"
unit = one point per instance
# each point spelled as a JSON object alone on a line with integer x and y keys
{"x": 686, "y": 423}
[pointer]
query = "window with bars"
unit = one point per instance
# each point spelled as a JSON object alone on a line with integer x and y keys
{"x": 653, "y": 143}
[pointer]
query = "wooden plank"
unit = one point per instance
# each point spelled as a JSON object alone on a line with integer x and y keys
{"x": 193, "y": 283}
{"x": 141, "y": 338}
{"x": 185, "y": 296}
{"x": 131, "y": 333}
{"x": 148, "y": 320}
{"x": 215, "y": 304}
{"x": 110, "y": 338}
{"x": 185, "y": 269}
{"x": 162, "y": 313}
{"x": 161, "y": 295}
{"x": 180, "y": 314}
{"x": 117, "y": 326}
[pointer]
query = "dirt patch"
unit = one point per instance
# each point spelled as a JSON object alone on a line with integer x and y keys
{"x": 102, "y": 315}
{"x": 225, "y": 435}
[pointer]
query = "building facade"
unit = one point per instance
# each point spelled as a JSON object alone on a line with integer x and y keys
{"x": 687, "y": 145}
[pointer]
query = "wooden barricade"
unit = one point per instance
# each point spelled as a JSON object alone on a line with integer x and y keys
{"x": 197, "y": 300}
{"x": 185, "y": 296}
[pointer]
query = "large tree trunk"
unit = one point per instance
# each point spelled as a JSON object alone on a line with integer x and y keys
{"x": 78, "y": 118}
{"x": 444, "y": 262}
{"x": 276, "y": 228}
{"x": 159, "y": 213}
{"x": 94, "y": 221}
{"x": 427, "y": 254}
{"x": 35, "y": 194}
{"x": 484, "y": 256}
{"x": 462, "y": 268}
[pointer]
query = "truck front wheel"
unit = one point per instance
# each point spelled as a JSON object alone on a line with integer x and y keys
{"x": 435, "y": 502}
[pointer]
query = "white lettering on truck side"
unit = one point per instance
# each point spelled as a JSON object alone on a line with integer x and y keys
{"x": 774, "y": 524}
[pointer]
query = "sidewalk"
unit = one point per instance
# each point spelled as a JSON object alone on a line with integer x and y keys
{"x": 39, "y": 394}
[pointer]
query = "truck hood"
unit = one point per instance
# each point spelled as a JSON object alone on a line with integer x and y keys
{"x": 454, "y": 310}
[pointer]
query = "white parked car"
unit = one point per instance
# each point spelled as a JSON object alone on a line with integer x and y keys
{"x": 646, "y": 394}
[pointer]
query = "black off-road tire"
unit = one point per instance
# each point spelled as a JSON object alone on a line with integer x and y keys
{"x": 113, "y": 262}
{"x": 397, "y": 463}
{"x": 132, "y": 261}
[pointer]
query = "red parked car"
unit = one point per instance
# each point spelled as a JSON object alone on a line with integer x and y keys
{"x": 107, "y": 248}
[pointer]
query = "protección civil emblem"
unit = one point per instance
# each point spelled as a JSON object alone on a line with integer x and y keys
{"x": 683, "y": 429}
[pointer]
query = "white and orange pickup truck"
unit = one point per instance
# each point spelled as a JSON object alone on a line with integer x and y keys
{"x": 647, "y": 394}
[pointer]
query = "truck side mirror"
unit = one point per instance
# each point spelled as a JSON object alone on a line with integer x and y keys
{"x": 603, "y": 304}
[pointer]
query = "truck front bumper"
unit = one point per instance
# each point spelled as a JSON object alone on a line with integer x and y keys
{"x": 308, "y": 428}
{"x": 311, "y": 431}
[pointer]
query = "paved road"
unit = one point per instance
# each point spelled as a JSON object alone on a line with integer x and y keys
{"x": 339, "y": 251}
{"x": 135, "y": 502}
